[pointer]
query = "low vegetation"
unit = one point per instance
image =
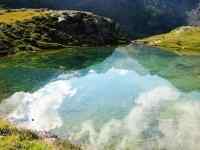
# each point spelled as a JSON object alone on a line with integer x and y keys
{"x": 12, "y": 16}
{"x": 12, "y": 138}
{"x": 140, "y": 18}
{"x": 184, "y": 40}
{"x": 34, "y": 30}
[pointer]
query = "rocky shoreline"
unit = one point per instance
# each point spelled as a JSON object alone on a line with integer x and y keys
{"x": 12, "y": 137}
{"x": 58, "y": 29}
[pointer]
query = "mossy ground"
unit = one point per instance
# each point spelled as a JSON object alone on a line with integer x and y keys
{"x": 12, "y": 16}
{"x": 184, "y": 40}
{"x": 12, "y": 138}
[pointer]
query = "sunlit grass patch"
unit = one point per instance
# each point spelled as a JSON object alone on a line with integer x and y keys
{"x": 12, "y": 16}
{"x": 184, "y": 40}
{"x": 12, "y": 138}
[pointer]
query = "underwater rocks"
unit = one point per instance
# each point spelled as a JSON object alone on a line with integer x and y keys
{"x": 57, "y": 29}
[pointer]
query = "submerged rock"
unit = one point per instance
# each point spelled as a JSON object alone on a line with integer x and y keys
{"x": 57, "y": 29}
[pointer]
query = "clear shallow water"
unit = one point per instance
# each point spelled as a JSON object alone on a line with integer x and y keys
{"x": 135, "y": 98}
{"x": 30, "y": 71}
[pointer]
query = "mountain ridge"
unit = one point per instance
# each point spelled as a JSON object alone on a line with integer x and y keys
{"x": 139, "y": 18}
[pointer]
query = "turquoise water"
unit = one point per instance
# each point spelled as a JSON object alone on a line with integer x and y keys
{"x": 29, "y": 71}
{"x": 123, "y": 98}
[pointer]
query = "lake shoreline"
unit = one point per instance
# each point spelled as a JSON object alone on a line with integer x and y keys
{"x": 47, "y": 139}
{"x": 181, "y": 41}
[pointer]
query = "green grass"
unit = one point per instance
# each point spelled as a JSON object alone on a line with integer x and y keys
{"x": 12, "y": 138}
{"x": 12, "y": 16}
{"x": 183, "y": 40}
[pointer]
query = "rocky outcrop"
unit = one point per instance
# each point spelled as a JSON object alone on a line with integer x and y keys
{"x": 140, "y": 18}
{"x": 59, "y": 29}
{"x": 194, "y": 16}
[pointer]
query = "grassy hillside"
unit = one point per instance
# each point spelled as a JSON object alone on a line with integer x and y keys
{"x": 12, "y": 138}
{"x": 41, "y": 29}
{"x": 183, "y": 40}
{"x": 10, "y": 17}
{"x": 139, "y": 18}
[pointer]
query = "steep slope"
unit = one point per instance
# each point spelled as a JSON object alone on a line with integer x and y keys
{"x": 194, "y": 16}
{"x": 31, "y": 30}
{"x": 139, "y": 17}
